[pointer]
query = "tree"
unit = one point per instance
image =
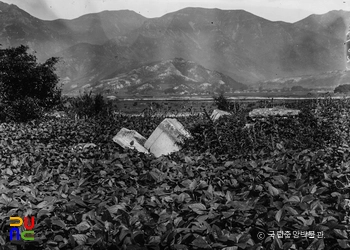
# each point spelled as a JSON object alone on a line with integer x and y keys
{"x": 345, "y": 88}
{"x": 22, "y": 77}
{"x": 222, "y": 102}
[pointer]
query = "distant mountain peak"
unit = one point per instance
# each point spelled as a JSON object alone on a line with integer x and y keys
{"x": 10, "y": 7}
{"x": 212, "y": 12}
{"x": 13, "y": 12}
{"x": 3, "y": 5}
{"x": 123, "y": 13}
{"x": 169, "y": 77}
{"x": 330, "y": 15}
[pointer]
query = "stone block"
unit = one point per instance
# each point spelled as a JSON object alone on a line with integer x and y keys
{"x": 56, "y": 114}
{"x": 130, "y": 139}
{"x": 164, "y": 138}
{"x": 82, "y": 146}
{"x": 249, "y": 126}
{"x": 67, "y": 105}
{"x": 266, "y": 112}
{"x": 217, "y": 113}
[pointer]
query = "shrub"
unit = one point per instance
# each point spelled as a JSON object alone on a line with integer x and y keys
{"x": 88, "y": 105}
{"x": 99, "y": 104}
{"x": 221, "y": 102}
{"x": 21, "y": 110}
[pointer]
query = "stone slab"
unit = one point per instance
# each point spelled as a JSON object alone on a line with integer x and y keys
{"x": 131, "y": 139}
{"x": 217, "y": 113}
{"x": 266, "y": 112}
{"x": 82, "y": 146}
{"x": 165, "y": 137}
{"x": 56, "y": 114}
{"x": 249, "y": 126}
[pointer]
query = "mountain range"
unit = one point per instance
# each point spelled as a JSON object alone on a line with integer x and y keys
{"x": 243, "y": 48}
{"x": 169, "y": 77}
{"x": 327, "y": 80}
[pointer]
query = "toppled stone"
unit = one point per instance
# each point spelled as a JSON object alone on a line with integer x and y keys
{"x": 67, "y": 105}
{"x": 111, "y": 97}
{"x": 165, "y": 137}
{"x": 249, "y": 126}
{"x": 82, "y": 146}
{"x": 131, "y": 139}
{"x": 277, "y": 111}
{"x": 56, "y": 114}
{"x": 217, "y": 113}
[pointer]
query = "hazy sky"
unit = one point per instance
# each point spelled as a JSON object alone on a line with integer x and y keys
{"x": 274, "y": 10}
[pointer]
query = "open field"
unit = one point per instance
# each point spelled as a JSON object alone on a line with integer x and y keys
{"x": 196, "y": 104}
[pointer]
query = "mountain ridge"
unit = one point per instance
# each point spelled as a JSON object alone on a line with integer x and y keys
{"x": 326, "y": 80}
{"x": 237, "y": 43}
{"x": 159, "y": 39}
{"x": 176, "y": 76}
{"x": 50, "y": 37}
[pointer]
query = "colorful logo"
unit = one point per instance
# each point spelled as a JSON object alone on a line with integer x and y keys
{"x": 25, "y": 235}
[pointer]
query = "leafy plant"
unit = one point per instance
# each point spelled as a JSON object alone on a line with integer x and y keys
{"x": 21, "y": 110}
{"x": 228, "y": 188}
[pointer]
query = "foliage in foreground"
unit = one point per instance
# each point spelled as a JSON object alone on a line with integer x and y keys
{"x": 109, "y": 198}
{"x": 25, "y": 109}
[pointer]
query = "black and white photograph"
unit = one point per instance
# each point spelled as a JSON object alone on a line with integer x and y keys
{"x": 174, "y": 125}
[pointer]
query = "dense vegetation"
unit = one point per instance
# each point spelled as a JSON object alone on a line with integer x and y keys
{"x": 227, "y": 188}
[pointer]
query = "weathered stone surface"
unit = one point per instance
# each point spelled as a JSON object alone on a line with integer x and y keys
{"x": 163, "y": 139}
{"x": 249, "y": 126}
{"x": 111, "y": 97}
{"x": 56, "y": 114}
{"x": 131, "y": 139}
{"x": 277, "y": 111}
{"x": 67, "y": 105}
{"x": 217, "y": 113}
{"x": 81, "y": 146}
